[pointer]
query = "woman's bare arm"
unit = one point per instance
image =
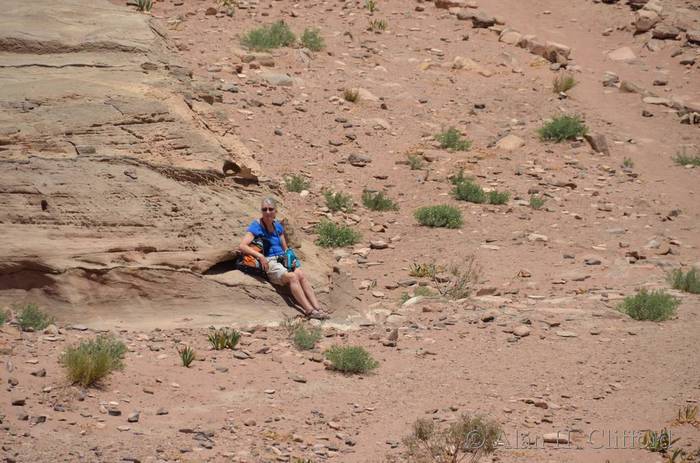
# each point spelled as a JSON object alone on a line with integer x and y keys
{"x": 245, "y": 248}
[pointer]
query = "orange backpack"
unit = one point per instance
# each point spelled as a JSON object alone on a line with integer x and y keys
{"x": 248, "y": 263}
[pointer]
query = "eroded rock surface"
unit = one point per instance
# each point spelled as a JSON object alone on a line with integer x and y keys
{"x": 120, "y": 182}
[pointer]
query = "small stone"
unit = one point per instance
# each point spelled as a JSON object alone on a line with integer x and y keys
{"x": 566, "y": 334}
{"x": 521, "y": 331}
{"x": 19, "y": 402}
{"x": 534, "y": 237}
{"x": 133, "y": 417}
{"x": 510, "y": 143}
{"x": 378, "y": 244}
{"x": 297, "y": 379}
{"x": 161, "y": 411}
{"x": 622, "y": 54}
{"x": 555, "y": 438}
{"x": 249, "y": 422}
{"x": 40, "y": 373}
{"x": 598, "y": 142}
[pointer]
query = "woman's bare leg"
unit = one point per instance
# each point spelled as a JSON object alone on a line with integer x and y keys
{"x": 308, "y": 289}
{"x": 298, "y": 292}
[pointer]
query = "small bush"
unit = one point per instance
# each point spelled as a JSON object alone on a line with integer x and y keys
{"x": 469, "y": 191}
{"x": 439, "y": 216}
{"x": 274, "y": 35}
{"x": 3, "y": 317}
{"x": 311, "y": 39}
{"x": 658, "y": 441}
{"x": 31, "y": 318}
{"x": 378, "y": 201}
{"x": 290, "y": 324}
{"x": 187, "y": 356}
{"x": 377, "y": 25}
{"x": 684, "y": 159}
{"x": 563, "y": 128}
{"x": 460, "y": 178}
{"x": 93, "y": 359}
{"x": 461, "y": 281}
{"x": 144, "y": 5}
{"x": 306, "y": 338}
{"x": 331, "y": 235}
{"x": 371, "y": 5}
{"x": 688, "y": 282}
{"x": 452, "y": 140}
{"x": 628, "y": 163}
{"x": 296, "y": 183}
{"x": 655, "y": 305}
{"x": 475, "y": 436}
{"x": 351, "y": 94}
{"x": 351, "y": 359}
{"x": 498, "y": 197}
{"x": 536, "y": 202}
{"x": 422, "y": 291}
{"x": 338, "y": 201}
{"x": 563, "y": 83}
{"x": 415, "y": 162}
{"x": 422, "y": 270}
{"x": 224, "y": 338}
{"x": 688, "y": 415}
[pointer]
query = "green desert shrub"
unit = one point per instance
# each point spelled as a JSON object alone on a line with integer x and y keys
{"x": 469, "y": 191}
{"x": 536, "y": 202}
{"x": 415, "y": 162}
{"x": 93, "y": 359}
{"x": 422, "y": 291}
{"x": 3, "y": 317}
{"x": 468, "y": 439}
{"x": 439, "y": 216}
{"x": 460, "y": 177}
{"x": 351, "y": 359}
{"x": 656, "y": 305}
{"x": 224, "y": 338}
{"x": 144, "y": 5}
{"x": 377, "y": 201}
{"x": 306, "y": 338}
{"x": 187, "y": 355}
{"x": 338, "y": 201}
{"x": 688, "y": 282}
{"x": 331, "y": 235}
{"x": 311, "y": 39}
{"x": 371, "y": 5}
{"x": 563, "y": 83}
{"x": 296, "y": 183}
{"x": 270, "y": 36}
{"x": 563, "y": 128}
{"x": 452, "y": 140}
{"x": 498, "y": 197}
{"x": 31, "y": 318}
{"x": 627, "y": 163}
{"x": 685, "y": 159}
{"x": 351, "y": 94}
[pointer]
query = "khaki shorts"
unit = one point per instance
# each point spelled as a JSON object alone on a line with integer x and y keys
{"x": 275, "y": 271}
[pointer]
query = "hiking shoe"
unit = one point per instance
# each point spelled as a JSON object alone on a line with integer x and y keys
{"x": 317, "y": 315}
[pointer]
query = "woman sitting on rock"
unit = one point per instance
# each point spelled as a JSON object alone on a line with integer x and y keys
{"x": 272, "y": 234}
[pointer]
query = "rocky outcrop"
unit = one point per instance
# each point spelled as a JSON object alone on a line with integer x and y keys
{"x": 120, "y": 182}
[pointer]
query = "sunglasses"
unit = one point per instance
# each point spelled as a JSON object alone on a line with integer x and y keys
{"x": 268, "y": 209}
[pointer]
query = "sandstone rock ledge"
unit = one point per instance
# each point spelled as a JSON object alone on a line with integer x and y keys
{"x": 119, "y": 187}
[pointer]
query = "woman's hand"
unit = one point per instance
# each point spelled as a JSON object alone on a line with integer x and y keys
{"x": 264, "y": 263}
